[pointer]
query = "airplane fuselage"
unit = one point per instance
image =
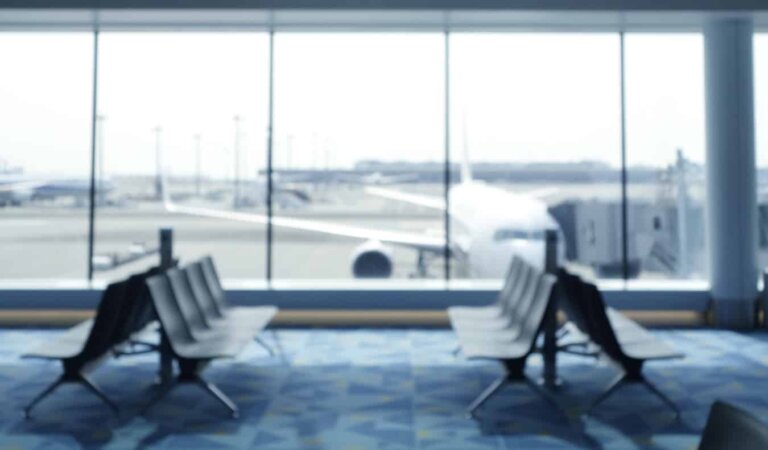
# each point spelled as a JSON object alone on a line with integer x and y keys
{"x": 489, "y": 225}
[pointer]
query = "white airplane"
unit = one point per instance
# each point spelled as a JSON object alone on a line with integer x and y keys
{"x": 16, "y": 190}
{"x": 489, "y": 225}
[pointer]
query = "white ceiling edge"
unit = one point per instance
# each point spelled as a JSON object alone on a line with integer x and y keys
{"x": 342, "y": 20}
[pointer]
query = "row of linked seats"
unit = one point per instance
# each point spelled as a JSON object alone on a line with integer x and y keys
{"x": 184, "y": 307}
{"x": 508, "y": 330}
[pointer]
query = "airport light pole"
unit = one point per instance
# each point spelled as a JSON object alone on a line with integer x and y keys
{"x": 236, "y": 198}
{"x": 158, "y": 130}
{"x": 198, "y": 165}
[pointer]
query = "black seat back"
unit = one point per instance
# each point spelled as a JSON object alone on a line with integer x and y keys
{"x": 600, "y": 329}
{"x": 202, "y": 291}
{"x": 167, "y": 310}
{"x": 137, "y": 311}
{"x": 106, "y": 320}
{"x": 572, "y": 300}
{"x": 214, "y": 285}
{"x": 731, "y": 428}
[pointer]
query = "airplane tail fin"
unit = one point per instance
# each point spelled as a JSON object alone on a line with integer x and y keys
{"x": 162, "y": 180}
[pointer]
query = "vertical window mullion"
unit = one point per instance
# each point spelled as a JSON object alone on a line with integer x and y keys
{"x": 624, "y": 205}
{"x": 270, "y": 143}
{"x": 92, "y": 190}
{"x": 447, "y": 162}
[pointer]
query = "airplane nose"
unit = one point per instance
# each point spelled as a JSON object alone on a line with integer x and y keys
{"x": 531, "y": 251}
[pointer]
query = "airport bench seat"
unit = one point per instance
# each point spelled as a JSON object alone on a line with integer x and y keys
{"x": 494, "y": 349}
{"x": 220, "y": 307}
{"x": 729, "y": 428}
{"x": 470, "y": 315}
{"x": 629, "y": 356}
{"x": 250, "y": 321}
{"x": 193, "y": 349}
{"x": 515, "y": 297}
{"x": 210, "y": 348}
{"x": 650, "y": 349}
{"x": 512, "y": 353}
{"x": 119, "y": 320}
{"x": 627, "y": 331}
{"x": 80, "y": 351}
{"x": 198, "y": 326}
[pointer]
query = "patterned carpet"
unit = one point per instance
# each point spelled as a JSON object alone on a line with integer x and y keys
{"x": 379, "y": 389}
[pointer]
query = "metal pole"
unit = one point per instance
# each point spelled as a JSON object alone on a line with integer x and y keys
{"x": 270, "y": 143}
{"x": 92, "y": 193}
{"x": 158, "y": 163}
{"x": 549, "y": 351}
{"x": 198, "y": 166}
{"x": 236, "y": 200}
{"x": 624, "y": 199}
{"x": 447, "y": 159}
{"x": 165, "y": 370}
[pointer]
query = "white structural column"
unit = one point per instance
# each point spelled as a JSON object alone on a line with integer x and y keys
{"x": 731, "y": 177}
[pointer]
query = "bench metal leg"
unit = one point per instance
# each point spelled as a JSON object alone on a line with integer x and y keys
{"x": 220, "y": 396}
{"x": 623, "y": 378}
{"x": 46, "y": 392}
{"x": 662, "y": 396}
{"x": 266, "y": 347}
{"x": 612, "y": 387}
{"x": 487, "y": 394}
{"x": 165, "y": 388}
{"x": 544, "y": 393}
{"x": 98, "y": 392}
{"x": 208, "y": 387}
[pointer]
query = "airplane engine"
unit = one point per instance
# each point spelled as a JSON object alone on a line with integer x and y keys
{"x": 372, "y": 259}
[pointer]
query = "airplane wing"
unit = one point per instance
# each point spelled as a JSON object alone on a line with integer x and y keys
{"x": 426, "y": 201}
{"x": 412, "y": 240}
{"x": 418, "y": 241}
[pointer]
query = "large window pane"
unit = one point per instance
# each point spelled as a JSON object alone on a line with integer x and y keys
{"x": 45, "y": 112}
{"x": 194, "y": 104}
{"x": 538, "y": 116}
{"x": 665, "y": 155}
{"x": 761, "y": 138}
{"x": 358, "y": 122}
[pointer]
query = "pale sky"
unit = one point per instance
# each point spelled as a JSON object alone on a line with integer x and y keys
{"x": 340, "y": 98}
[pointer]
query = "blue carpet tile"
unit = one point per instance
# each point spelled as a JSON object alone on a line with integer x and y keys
{"x": 379, "y": 389}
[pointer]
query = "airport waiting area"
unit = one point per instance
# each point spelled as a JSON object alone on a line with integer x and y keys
{"x": 507, "y": 375}
{"x": 381, "y": 225}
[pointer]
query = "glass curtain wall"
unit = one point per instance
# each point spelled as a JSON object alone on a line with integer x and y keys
{"x": 182, "y": 143}
{"x": 45, "y": 112}
{"x": 359, "y": 156}
{"x": 665, "y": 156}
{"x": 358, "y": 152}
{"x": 536, "y": 117}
